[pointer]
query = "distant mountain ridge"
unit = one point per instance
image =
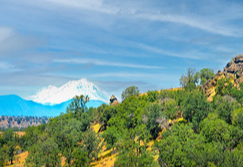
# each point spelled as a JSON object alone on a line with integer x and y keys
{"x": 13, "y": 105}
{"x": 53, "y": 95}
{"x": 51, "y": 101}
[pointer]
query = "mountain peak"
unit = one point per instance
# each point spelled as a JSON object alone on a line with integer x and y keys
{"x": 56, "y": 95}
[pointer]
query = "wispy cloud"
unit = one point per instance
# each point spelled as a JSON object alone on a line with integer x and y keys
{"x": 166, "y": 53}
{"x": 7, "y": 67}
{"x": 95, "y": 5}
{"x": 191, "y": 19}
{"x": 200, "y": 23}
{"x": 122, "y": 74}
{"x": 105, "y": 63}
{"x": 154, "y": 76}
{"x": 11, "y": 41}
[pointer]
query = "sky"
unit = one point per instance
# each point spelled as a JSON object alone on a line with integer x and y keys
{"x": 114, "y": 44}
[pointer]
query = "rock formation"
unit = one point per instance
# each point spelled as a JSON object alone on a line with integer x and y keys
{"x": 113, "y": 101}
{"x": 233, "y": 71}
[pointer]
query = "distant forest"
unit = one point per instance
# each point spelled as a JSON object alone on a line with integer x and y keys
{"x": 19, "y": 123}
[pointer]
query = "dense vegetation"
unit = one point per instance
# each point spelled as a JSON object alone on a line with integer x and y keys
{"x": 210, "y": 134}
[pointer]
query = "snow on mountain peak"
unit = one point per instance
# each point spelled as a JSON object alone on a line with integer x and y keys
{"x": 56, "y": 95}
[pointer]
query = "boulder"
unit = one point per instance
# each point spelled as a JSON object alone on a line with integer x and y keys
{"x": 235, "y": 66}
{"x": 238, "y": 59}
{"x": 113, "y": 101}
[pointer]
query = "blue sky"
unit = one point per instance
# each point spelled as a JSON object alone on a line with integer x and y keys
{"x": 115, "y": 44}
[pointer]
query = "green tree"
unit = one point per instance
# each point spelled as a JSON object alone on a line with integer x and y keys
{"x": 78, "y": 105}
{"x": 170, "y": 152}
{"x": 152, "y": 114}
{"x": 205, "y": 75}
{"x": 195, "y": 108}
{"x": 152, "y": 96}
{"x": 130, "y": 91}
{"x": 132, "y": 160}
{"x": 170, "y": 108}
{"x": 3, "y": 155}
{"x": 142, "y": 135}
{"x": 224, "y": 87}
{"x": 225, "y": 106}
{"x": 11, "y": 143}
{"x": 190, "y": 79}
{"x": 91, "y": 144}
{"x": 233, "y": 158}
{"x": 81, "y": 158}
{"x": 183, "y": 147}
{"x": 127, "y": 156}
{"x": 106, "y": 113}
{"x": 237, "y": 117}
{"x": 111, "y": 136}
{"x": 214, "y": 129}
{"x": 45, "y": 153}
{"x": 85, "y": 121}
{"x": 68, "y": 137}
{"x": 31, "y": 136}
{"x": 237, "y": 93}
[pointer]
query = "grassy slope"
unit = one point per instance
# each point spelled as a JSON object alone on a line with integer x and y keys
{"x": 105, "y": 157}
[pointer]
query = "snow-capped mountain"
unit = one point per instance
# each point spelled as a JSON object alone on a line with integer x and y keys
{"x": 52, "y": 95}
{"x": 13, "y": 105}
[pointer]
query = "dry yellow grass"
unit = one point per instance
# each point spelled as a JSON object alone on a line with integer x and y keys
{"x": 106, "y": 159}
{"x": 20, "y": 133}
{"x": 96, "y": 127}
{"x": 170, "y": 89}
{"x": 19, "y": 160}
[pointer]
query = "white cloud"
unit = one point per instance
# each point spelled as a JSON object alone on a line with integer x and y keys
{"x": 105, "y": 63}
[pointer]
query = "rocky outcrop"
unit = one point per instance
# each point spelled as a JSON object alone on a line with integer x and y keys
{"x": 113, "y": 101}
{"x": 233, "y": 71}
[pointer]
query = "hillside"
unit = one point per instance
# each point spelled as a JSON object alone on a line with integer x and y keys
{"x": 174, "y": 127}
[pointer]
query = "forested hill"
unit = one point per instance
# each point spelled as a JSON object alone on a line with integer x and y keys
{"x": 21, "y": 122}
{"x": 160, "y": 128}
